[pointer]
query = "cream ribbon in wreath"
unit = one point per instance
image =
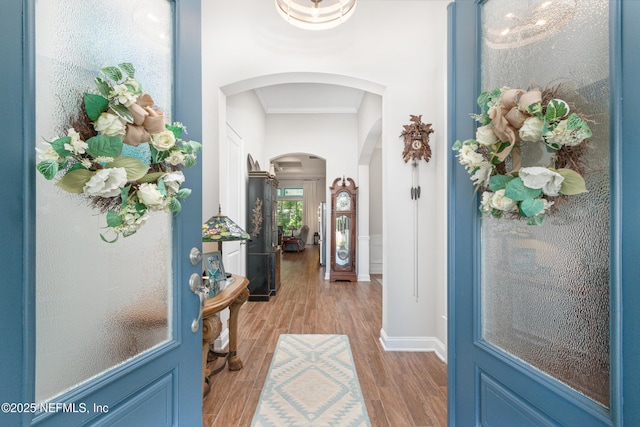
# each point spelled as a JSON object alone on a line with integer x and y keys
{"x": 146, "y": 121}
{"x": 508, "y": 118}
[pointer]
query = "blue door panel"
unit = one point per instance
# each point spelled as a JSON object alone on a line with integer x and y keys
{"x": 500, "y": 406}
{"x": 626, "y": 104}
{"x": 161, "y": 387}
{"x": 118, "y": 391}
{"x": 152, "y": 406}
{"x": 17, "y": 223}
{"x": 486, "y": 385}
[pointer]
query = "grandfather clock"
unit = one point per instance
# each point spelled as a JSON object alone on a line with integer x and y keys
{"x": 343, "y": 230}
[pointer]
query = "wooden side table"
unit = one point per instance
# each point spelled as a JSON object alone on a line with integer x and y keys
{"x": 233, "y": 297}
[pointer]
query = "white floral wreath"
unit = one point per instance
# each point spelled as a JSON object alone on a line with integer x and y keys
{"x": 508, "y": 117}
{"x": 120, "y": 155}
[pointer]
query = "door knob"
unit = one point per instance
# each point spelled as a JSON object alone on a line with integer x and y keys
{"x": 195, "y": 256}
{"x": 195, "y": 283}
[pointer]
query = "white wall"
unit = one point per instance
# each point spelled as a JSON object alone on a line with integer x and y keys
{"x": 246, "y": 117}
{"x": 392, "y": 48}
{"x": 330, "y": 136}
{"x": 369, "y": 125}
{"x": 375, "y": 210}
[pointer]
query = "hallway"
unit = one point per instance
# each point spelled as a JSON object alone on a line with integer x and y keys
{"x": 401, "y": 389}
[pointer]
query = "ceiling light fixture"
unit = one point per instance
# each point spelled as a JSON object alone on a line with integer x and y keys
{"x": 316, "y": 14}
{"x": 528, "y": 23}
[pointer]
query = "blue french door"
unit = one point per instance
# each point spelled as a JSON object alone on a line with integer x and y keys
{"x": 124, "y": 375}
{"x": 543, "y": 319}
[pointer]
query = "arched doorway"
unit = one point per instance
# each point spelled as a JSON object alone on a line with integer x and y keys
{"x": 344, "y": 132}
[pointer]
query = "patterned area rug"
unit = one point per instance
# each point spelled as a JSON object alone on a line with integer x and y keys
{"x": 312, "y": 381}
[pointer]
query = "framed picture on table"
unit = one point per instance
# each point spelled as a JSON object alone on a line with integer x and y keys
{"x": 215, "y": 268}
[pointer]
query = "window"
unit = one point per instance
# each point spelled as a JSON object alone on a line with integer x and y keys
{"x": 290, "y": 207}
{"x": 289, "y": 214}
{"x": 293, "y": 192}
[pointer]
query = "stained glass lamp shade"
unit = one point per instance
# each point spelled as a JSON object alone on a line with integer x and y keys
{"x": 220, "y": 228}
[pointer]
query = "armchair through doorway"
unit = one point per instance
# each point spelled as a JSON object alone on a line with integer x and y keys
{"x": 297, "y": 241}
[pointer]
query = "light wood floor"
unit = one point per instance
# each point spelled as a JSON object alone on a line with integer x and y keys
{"x": 401, "y": 389}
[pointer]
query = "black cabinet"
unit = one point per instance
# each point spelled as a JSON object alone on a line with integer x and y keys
{"x": 262, "y": 247}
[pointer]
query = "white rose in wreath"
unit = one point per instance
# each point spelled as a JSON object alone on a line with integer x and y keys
{"x": 501, "y": 202}
{"x": 486, "y": 136}
{"x": 561, "y": 135}
{"x": 106, "y": 182}
{"x": 47, "y": 153}
{"x": 163, "y": 140}
{"x": 173, "y": 181}
{"x": 176, "y": 158}
{"x": 469, "y": 157}
{"x": 110, "y": 125}
{"x": 150, "y": 195}
{"x": 123, "y": 95}
{"x": 132, "y": 220}
{"x": 76, "y": 145}
{"x": 542, "y": 178}
{"x": 485, "y": 202}
{"x": 531, "y": 129}
{"x": 482, "y": 174}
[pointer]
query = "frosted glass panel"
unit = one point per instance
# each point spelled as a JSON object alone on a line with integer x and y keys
{"x": 97, "y": 304}
{"x": 545, "y": 289}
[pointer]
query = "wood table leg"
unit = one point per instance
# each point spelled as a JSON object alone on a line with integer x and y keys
{"x": 235, "y": 363}
{"x": 211, "y": 328}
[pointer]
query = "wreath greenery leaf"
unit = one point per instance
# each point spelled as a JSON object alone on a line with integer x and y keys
{"x": 95, "y": 105}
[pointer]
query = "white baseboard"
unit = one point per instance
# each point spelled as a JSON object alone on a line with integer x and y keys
{"x": 375, "y": 259}
{"x": 414, "y": 344}
{"x": 375, "y": 267}
{"x": 364, "y": 278}
{"x": 222, "y": 341}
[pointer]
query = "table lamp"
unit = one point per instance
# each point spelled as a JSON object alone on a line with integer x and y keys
{"x": 220, "y": 228}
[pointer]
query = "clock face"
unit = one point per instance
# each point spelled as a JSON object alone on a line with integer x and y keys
{"x": 416, "y": 144}
{"x": 343, "y": 202}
